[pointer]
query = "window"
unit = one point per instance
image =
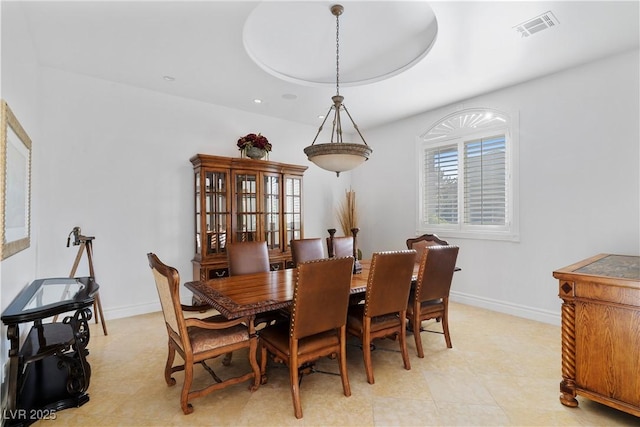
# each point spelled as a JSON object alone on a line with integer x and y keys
{"x": 467, "y": 178}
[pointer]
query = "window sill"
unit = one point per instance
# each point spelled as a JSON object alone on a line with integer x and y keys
{"x": 477, "y": 235}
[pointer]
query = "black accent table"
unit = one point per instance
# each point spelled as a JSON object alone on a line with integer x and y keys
{"x": 50, "y": 371}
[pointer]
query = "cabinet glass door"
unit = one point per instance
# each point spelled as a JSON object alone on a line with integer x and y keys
{"x": 216, "y": 211}
{"x": 293, "y": 208}
{"x": 198, "y": 191}
{"x": 272, "y": 210}
{"x": 246, "y": 193}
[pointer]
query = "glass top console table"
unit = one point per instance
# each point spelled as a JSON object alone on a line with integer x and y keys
{"x": 49, "y": 372}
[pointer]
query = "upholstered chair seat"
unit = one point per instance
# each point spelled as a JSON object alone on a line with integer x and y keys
{"x": 206, "y": 339}
{"x": 356, "y": 314}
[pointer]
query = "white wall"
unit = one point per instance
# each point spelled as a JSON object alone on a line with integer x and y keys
{"x": 579, "y": 185}
{"x": 19, "y": 87}
{"x": 115, "y": 161}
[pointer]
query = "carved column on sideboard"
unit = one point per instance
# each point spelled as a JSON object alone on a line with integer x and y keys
{"x": 568, "y": 383}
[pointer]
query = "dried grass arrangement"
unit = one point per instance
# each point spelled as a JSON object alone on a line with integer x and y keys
{"x": 348, "y": 213}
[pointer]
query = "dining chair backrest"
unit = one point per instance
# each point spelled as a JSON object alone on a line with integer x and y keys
{"x": 389, "y": 282}
{"x": 436, "y": 272}
{"x": 340, "y": 246}
{"x": 421, "y": 242}
{"x": 247, "y": 257}
{"x": 303, "y": 250}
{"x": 321, "y": 296}
{"x": 167, "y": 281}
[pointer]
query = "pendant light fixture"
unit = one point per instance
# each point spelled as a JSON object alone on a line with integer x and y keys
{"x": 338, "y": 156}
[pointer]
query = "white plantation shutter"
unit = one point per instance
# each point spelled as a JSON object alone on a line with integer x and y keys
{"x": 441, "y": 189}
{"x": 485, "y": 190}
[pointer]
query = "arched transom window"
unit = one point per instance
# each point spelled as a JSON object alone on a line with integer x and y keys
{"x": 466, "y": 169}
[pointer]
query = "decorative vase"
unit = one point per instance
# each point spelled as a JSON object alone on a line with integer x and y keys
{"x": 255, "y": 152}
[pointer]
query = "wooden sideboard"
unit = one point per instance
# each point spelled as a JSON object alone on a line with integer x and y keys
{"x": 601, "y": 331}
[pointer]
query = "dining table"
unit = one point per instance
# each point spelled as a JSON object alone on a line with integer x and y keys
{"x": 252, "y": 294}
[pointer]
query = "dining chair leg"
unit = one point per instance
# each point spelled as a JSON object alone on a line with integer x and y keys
{"x": 366, "y": 349}
{"x": 263, "y": 364}
{"x": 342, "y": 362}
{"x": 403, "y": 341}
{"x": 445, "y": 322}
{"x": 167, "y": 367}
{"x": 227, "y": 359}
{"x": 416, "y": 334}
{"x": 253, "y": 361}
{"x": 187, "y": 408}
{"x": 294, "y": 380}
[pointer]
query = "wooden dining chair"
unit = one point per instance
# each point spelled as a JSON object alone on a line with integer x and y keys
{"x": 344, "y": 246}
{"x": 317, "y": 327}
{"x": 383, "y": 313}
{"x": 198, "y": 340}
{"x": 340, "y": 246}
{"x": 303, "y": 250}
{"x": 248, "y": 257}
{"x": 421, "y": 242}
{"x": 430, "y": 298}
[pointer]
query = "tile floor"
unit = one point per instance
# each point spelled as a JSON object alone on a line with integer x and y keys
{"x": 501, "y": 371}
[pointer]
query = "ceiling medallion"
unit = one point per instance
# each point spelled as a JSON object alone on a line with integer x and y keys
{"x": 383, "y": 40}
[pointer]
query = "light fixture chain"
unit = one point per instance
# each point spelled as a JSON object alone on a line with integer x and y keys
{"x": 336, "y": 155}
{"x": 338, "y": 54}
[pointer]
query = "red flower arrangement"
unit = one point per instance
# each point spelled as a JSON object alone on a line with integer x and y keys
{"x": 253, "y": 140}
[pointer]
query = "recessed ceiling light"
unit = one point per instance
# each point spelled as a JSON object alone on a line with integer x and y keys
{"x": 321, "y": 117}
{"x": 289, "y": 96}
{"x": 257, "y": 101}
{"x": 169, "y": 78}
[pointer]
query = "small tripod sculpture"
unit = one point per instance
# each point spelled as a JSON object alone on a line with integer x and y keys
{"x": 85, "y": 243}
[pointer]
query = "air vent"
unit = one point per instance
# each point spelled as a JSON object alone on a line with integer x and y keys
{"x": 537, "y": 24}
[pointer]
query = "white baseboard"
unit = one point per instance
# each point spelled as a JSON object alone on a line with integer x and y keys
{"x": 131, "y": 310}
{"x": 545, "y": 316}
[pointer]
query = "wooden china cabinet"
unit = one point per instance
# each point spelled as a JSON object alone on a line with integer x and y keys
{"x": 240, "y": 199}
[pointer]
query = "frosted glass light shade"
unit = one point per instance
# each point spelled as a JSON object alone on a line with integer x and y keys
{"x": 338, "y": 156}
